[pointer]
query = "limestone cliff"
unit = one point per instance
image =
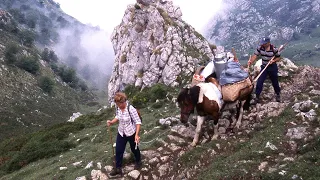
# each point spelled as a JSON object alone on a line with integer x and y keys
{"x": 153, "y": 44}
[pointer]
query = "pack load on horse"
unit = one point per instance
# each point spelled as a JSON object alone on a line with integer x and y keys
{"x": 207, "y": 97}
{"x": 234, "y": 80}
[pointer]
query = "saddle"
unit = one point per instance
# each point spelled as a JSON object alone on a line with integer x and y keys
{"x": 230, "y": 92}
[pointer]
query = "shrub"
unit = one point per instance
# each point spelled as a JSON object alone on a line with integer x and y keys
{"x": 140, "y": 100}
{"x": 140, "y": 73}
{"x": 11, "y": 53}
{"x": 137, "y": 6}
{"x": 131, "y": 90}
{"x": 46, "y": 84}
{"x": 123, "y": 59}
{"x": 29, "y": 64}
{"x": 27, "y": 37}
{"x": 52, "y": 56}
{"x": 158, "y": 91}
{"x": 68, "y": 75}
{"x": 45, "y": 55}
{"x": 49, "y": 55}
{"x": 82, "y": 85}
{"x": 54, "y": 67}
{"x": 42, "y": 144}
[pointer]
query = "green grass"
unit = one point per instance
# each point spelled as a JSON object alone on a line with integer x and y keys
{"x": 89, "y": 140}
{"x": 227, "y": 164}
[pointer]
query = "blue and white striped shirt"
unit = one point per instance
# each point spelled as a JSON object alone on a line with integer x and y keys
{"x": 126, "y": 126}
{"x": 267, "y": 55}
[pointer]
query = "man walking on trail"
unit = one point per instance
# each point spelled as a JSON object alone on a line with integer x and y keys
{"x": 266, "y": 50}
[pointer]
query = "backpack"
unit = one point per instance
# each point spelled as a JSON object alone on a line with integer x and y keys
{"x": 139, "y": 114}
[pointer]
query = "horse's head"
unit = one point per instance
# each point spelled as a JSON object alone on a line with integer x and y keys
{"x": 185, "y": 103}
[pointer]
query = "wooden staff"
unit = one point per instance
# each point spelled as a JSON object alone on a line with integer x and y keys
{"x": 280, "y": 49}
{"x": 110, "y": 134}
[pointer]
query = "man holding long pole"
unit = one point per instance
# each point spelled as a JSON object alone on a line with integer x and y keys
{"x": 270, "y": 55}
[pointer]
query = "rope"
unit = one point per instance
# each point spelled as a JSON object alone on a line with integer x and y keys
{"x": 147, "y": 142}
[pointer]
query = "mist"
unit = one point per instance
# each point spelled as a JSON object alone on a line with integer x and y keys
{"x": 86, "y": 49}
{"x": 90, "y": 51}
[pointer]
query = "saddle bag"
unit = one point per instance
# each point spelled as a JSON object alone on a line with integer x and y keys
{"x": 237, "y": 91}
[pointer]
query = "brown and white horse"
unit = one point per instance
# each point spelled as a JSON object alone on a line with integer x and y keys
{"x": 188, "y": 100}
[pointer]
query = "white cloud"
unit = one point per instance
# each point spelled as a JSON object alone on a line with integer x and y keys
{"x": 96, "y": 49}
{"x": 108, "y": 13}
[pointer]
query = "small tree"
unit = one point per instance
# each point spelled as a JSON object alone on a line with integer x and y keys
{"x": 46, "y": 84}
{"x": 52, "y": 56}
{"x": 29, "y": 64}
{"x": 45, "y": 55}
{"x": 27, "y": 38}
{"x": 11, "y": 53}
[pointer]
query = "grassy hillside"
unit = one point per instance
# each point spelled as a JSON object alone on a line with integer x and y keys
{"x": 238, "y": 156}
{"x": 36, "y": 91}
{"x": 86, "y": 140}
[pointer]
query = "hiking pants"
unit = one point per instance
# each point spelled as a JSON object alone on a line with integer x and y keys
{"x": 272, "y": 71}
{"x": 121, "y": 146}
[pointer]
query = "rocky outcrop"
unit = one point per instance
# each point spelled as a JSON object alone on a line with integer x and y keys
{"x": 241, "y": 23}
{"x": 154, "y": 45}
{"x": 5, "y": 17}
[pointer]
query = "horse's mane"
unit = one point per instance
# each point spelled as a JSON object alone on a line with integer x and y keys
{"x": 194, "y": 93}
{"x": 182, "y": 95}
{"x": 189, "y": 94}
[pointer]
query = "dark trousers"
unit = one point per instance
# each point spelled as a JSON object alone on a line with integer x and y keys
{"x": 272, "y": 71}
{"x": 121, "y": 146}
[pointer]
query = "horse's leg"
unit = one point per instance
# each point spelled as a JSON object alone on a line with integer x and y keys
{"x": 215, "y": 126}
{"x": 233, "y": 117}
{"x": 240, "y": 114}
{"x": 200, "y": 120}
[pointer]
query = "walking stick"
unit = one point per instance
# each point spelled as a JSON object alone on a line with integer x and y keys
{"x": 110, "y": 134}
{"x": 234, "y": 55}
{"x": 280, "y": 49}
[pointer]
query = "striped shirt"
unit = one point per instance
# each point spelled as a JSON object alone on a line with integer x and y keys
{"x": 126, "y": 125}
{"x": 266, "y": 56}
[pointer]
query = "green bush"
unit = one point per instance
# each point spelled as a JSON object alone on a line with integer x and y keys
{"x": 158, "y": 91}
{"x": 68, "y": 75}
{"x": 43, "y": 144}
{"x": 140, "y": 99}
{"x": 54, "y": 67}
{"x": 46, "y": 84}
{"x": 29, "y": 63}
{"x": 49, "y": 55}
{"x": 11, "y": 53}
{"x": 27, "y": 37}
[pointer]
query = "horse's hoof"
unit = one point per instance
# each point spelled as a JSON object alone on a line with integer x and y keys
{"x": 193, "y": 144}
{"x": 238, "y": 125}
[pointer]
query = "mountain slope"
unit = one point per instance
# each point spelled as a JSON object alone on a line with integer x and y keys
{"x": 33, "y": 93}
{"x": 242, "y": 22}
{"x": 154, "y": 45}
{"x": 275, "y": 141}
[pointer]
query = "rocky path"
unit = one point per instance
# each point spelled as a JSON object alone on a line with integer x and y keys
{"x": 162, "y": 163}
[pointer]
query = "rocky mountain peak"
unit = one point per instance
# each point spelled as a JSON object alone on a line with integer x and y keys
{"x": 5, "y": 17}
{"x": 242, "y": 23}
{"x": 153, "y": 44}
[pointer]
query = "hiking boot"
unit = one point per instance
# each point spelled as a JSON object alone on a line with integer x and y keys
{"x": 278, "y": 99}
{"x": 116, "y": 171}
{"x": 137, "y": 166}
